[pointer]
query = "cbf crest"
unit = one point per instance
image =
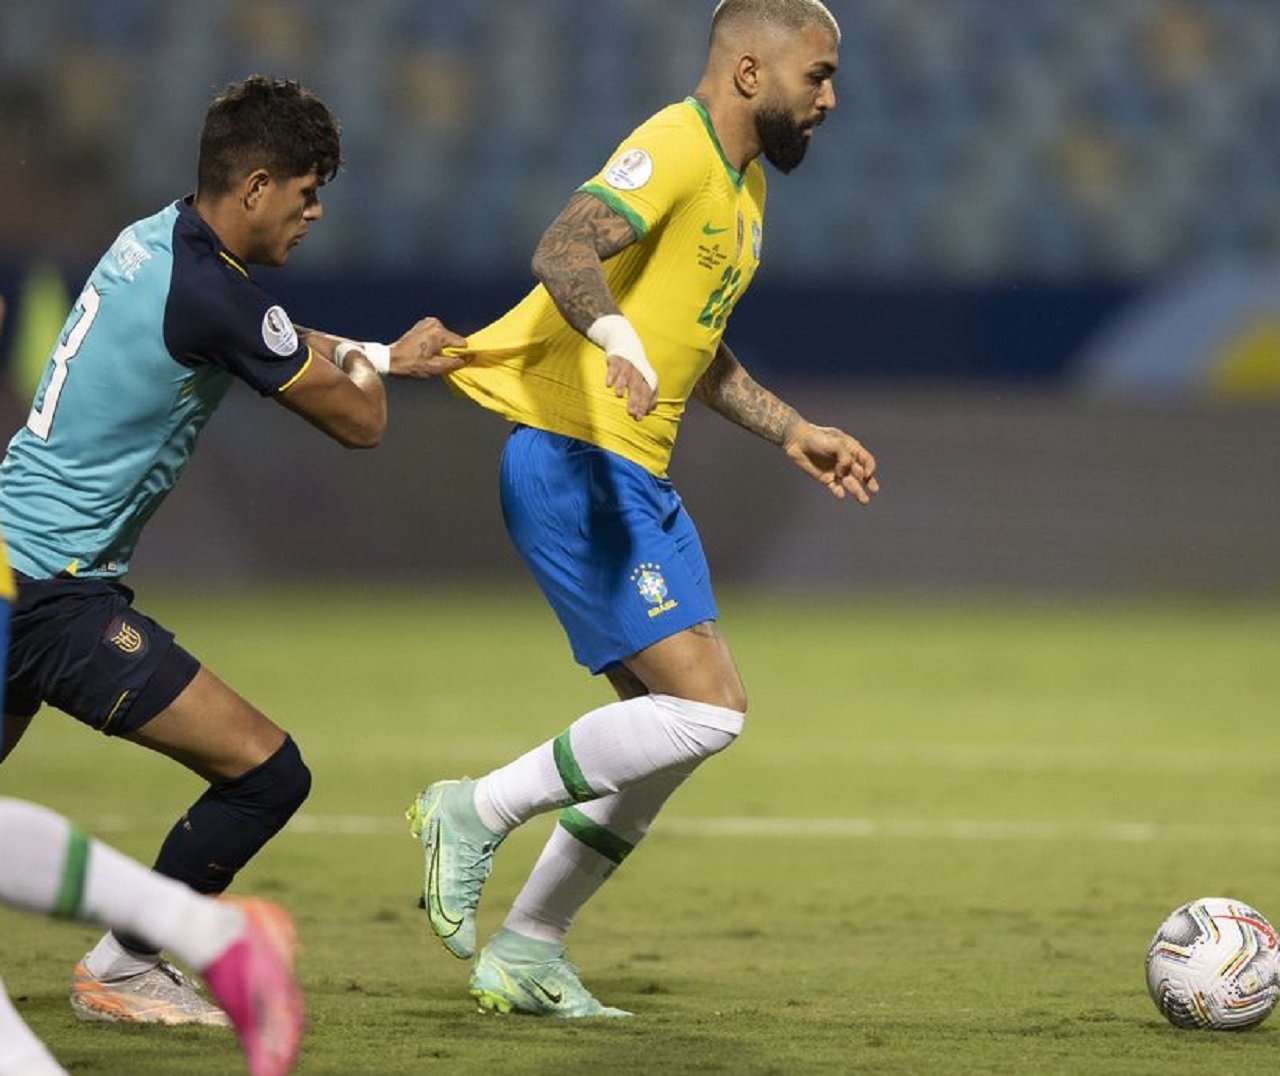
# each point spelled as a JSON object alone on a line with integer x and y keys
{"x": 652, "y": 587}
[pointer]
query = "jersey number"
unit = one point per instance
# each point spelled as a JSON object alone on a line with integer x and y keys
{"x": 720, "y": 301}
{"x": 41, "y": 417}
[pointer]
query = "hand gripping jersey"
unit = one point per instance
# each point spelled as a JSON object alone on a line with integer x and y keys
{"x": 699, "y": 225}
{"x": 166, "y": 320}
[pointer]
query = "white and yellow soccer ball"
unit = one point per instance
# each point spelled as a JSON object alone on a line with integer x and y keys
{"x": 1214, "y": 963}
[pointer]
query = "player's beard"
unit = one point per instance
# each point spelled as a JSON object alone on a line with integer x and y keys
{"x": 781, "y": 138}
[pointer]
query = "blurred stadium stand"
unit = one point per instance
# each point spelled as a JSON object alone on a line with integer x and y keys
{"x": 1012, "y": 196}
{"x": 976, "y": 139}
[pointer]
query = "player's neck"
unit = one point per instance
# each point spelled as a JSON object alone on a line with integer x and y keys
{"x": 226, "y": 223}
{"x": 734, "y": 127}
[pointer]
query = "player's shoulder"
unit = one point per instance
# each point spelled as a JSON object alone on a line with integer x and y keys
{"x": 150, "y": 234}
{"x": 142, "y": 251}
{"x": 679, "y": 123}
{"x": 200, "y": 258}
{"x": 212, "y": 301}
{"x": 685, "y": 136}
{"x": 206, "y": 275}
{"x": 673, "y": 148}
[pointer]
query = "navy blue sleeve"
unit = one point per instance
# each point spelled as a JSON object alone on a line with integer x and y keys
{"x": 216, "y": 314}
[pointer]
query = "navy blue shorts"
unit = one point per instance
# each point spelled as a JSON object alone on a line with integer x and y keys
{"x": 610, "y": 545}
{"x": 79, "y": 645}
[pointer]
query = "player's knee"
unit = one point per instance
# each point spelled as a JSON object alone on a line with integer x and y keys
{"x": 293, "y": 776}
{"x": 275, "y": 789}
{"x": 703, "y": 729}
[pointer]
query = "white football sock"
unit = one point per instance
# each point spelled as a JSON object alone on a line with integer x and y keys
{"x": 54, "y": 869}
{"x": 21, "y": 1053}
{"x": 589, "y": 844}
{"x": 602, "y": 752}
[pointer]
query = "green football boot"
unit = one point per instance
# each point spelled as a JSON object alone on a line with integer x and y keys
{"x": 459, "y": 856}
{"x": 545, "y": 985}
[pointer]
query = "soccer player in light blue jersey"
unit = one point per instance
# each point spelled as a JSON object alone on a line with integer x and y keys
{"x": 167, "y": 320}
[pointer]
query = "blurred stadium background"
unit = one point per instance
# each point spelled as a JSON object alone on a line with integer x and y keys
{"x": 1033, "y": 260}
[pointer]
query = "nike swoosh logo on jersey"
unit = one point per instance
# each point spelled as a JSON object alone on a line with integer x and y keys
{"x": 708, "y": 230}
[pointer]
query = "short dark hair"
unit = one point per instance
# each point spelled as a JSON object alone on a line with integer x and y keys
{"x": 270, "y": 123}
{"x": 789, "y": 14}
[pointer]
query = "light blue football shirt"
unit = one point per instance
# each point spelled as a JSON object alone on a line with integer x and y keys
{"x": 167, "y": 319}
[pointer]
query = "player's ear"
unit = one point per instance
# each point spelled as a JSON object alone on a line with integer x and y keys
{"x": 254, "y": 186}
{"x": 746, "y": 75}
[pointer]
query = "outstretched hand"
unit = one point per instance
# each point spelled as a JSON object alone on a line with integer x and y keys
{"x": 420, "y": 352}
{"x": 833, "y": 458}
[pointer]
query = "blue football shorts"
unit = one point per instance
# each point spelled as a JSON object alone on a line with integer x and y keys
{"x": 79, "y": 645}
{"x": 610, "y": 545}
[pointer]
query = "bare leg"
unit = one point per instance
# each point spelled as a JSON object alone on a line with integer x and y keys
{"x": 211, "y": 730}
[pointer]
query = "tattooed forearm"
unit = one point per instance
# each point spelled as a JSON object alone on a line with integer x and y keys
{"x": 728, "y": 389}
{"x": 570, "y": 256}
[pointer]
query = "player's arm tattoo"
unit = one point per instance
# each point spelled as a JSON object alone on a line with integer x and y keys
{"x": 570, "y": 256}
{"x": 728, "y": 389}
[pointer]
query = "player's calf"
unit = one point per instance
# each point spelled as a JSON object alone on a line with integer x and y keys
{"x": 231, "y": 822}
{"x": 222, "y": 831}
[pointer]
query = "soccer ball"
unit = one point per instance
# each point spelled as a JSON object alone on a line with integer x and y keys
{"x": 1214, "y": 963}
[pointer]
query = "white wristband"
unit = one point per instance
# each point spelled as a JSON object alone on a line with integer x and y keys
{"x": 379, "y": 355}
{"x": 615, "y": 335}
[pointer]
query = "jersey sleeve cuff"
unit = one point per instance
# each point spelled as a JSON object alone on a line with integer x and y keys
{"x": 620, "y": 207}
{"x": 301, "y": 370}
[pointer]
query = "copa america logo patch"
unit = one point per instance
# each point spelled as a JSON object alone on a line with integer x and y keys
{"x": 652, "y": 588}
{"x": 278, "y": 332}
{"x": 629, "y": 170}
{"x": 130, "y": 640}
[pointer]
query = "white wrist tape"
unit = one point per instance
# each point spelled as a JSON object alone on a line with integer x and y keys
{"x": 615, "y": 335}
{"x": 379, "y": 355}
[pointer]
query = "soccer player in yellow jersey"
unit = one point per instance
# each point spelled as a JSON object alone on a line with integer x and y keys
{"x": 639, "y": 274}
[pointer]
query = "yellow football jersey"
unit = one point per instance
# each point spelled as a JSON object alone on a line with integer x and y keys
{"x": 699, "y": 224}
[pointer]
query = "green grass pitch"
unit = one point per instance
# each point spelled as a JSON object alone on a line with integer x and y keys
{"x": 941, "y": 847}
